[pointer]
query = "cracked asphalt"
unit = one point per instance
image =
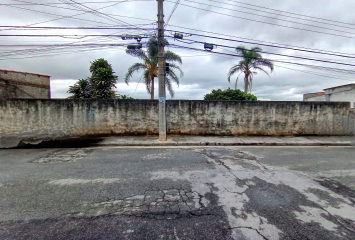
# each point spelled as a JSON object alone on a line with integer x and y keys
{"x": 246, "y": 193}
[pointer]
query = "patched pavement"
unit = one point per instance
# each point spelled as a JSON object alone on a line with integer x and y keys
{"x": 178, "y": 193}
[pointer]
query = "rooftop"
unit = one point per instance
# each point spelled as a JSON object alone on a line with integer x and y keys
{"x": 2, "y": 70}
{"x": 347, "y": 85}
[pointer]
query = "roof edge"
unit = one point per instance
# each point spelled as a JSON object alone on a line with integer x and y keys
{"x": 3, "y": 70}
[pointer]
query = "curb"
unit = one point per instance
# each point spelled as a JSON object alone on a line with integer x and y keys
{"x": 172, "y": 144}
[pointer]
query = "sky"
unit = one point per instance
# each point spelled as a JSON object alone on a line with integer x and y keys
{"x": 318, "y": 26}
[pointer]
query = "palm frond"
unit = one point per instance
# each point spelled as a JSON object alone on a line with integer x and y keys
{"x": 172, "y": 57}
{"x": 176, "y": 67}
{"x": 261, "y": 69}
{"x": 236, "y": 81}
{"x": 263, "y": 62}
{"x": 169, "y": 86}
{"x": 134, "y": 68}
{"x": 147, "y": 80}
{"x": 173, "y": 76}
{"x": 139, "y": 53}
{"x": 234, "y": 69}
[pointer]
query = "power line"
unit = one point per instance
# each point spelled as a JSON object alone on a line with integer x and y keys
{"x": 283, "y": 55}
{"x": 81, "y": 28}
{"x": 98, "y": 13}
{"x": 38, "y": 49}
{"x": 296, "y": 14}
{"x": 64, "y": 17}
{"x": 55, "y": 3}
{"x": 221, "y": 34}
{"x": 137, "y": 85}
{"x": 337, "y": 77}
{"x": 172, "y": 12}
{"x": 267, "y": 45}
{"x": 64, "y": 52}
{"x": 67, "y": 36}
{"x": 274, "y": 18}
{"x": 257, "y": 42}
{"x": 278, "y": 14}
{"x": 274, "y": 24}
{"x": 58, "y": 15}
{"x": 299, "y": 64}
{"x": 65, "y": 45}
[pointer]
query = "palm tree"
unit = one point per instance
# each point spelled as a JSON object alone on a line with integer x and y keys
{"x": 251, "y": 62}
{"x": 149, "y": 65}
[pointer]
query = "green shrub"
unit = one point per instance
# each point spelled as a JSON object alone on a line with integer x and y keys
{"x": 230, "y": 95}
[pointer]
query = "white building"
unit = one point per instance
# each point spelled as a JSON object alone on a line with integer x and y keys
{"x": 345, "y": 93}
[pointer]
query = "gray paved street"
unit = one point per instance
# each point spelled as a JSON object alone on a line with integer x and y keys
{"x": 178, "y": 193}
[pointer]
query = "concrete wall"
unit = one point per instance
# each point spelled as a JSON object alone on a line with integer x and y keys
{"x": 51, "y": 119}
{"x": 258, "y": 118}
{"x": 23, "y": 85}
{"x": 32, "y": 120}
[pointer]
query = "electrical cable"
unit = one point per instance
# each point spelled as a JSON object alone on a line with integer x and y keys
{"x": 267, "y": 45}
{"x": 58, "y": 15}
{"x": 98, "y": 13}
{"x": 64, "y": 17}
{"x": 286, "y": 62}
{"x": 55, "y": 3}
{"x": 279, "y": 54}
{"x": 221, "y": 34}
{"x": 63, "y": 36}
{"x": 313, "y": 21}
{"x": 248, "y": 4}
{"x": 172, "y": 12}
{"x": 274, "y": 24}
{"x": 137, "y": 85}
{"x": 337, "y": 77}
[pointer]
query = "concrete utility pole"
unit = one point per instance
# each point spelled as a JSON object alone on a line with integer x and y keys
{"x": 161, "y": 73}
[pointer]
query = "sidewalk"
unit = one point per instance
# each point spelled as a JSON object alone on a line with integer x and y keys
{"x": 201, "y": 141}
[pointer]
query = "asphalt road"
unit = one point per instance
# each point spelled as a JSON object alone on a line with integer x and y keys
{"x": 178, "y": 193}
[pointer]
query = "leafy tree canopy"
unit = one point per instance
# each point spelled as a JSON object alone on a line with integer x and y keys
{"x": 100, "y": 85}
{"x": 230, "y": 95}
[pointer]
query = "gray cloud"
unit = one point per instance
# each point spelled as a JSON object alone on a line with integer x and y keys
{"x": 202, "y": 73}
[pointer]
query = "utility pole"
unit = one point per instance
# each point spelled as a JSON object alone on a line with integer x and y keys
{"x": 161, "y": 73}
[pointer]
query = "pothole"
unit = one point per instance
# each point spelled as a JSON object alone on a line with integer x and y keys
{"x": 154, "y": 204}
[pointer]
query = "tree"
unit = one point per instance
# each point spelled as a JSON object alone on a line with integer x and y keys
{"x": 100, "y": 85}
{"x": 251, "y": 62}
{"x": 81, "y": 89}
{"x": 230, "y": 95}
{"x": 149, "y": 65}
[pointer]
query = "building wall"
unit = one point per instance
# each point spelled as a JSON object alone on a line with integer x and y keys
{"x": 345, "y": 96}
{"x": 23, "y": 85}
{"x": 315, "y": 98}
{"x": 32, "y": 120}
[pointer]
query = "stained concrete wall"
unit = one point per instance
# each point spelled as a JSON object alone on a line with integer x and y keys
{"x": 15, "y": 85}
{"x": 258, "y": 118}
{"x": 31, "y": 120}
{"x": 52, "y": 119}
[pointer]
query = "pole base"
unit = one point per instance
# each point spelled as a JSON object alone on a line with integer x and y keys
{"x": 162, "y": 137}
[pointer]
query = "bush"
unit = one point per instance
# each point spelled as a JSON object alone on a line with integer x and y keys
{"x": 124, "y": 97}
{"x": 230, "y": 95}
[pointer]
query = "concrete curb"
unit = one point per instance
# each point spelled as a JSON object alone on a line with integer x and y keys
{"x": 168, "y": 144}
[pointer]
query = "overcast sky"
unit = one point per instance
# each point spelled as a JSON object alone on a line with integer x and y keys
{"x": 203, "y": 71}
